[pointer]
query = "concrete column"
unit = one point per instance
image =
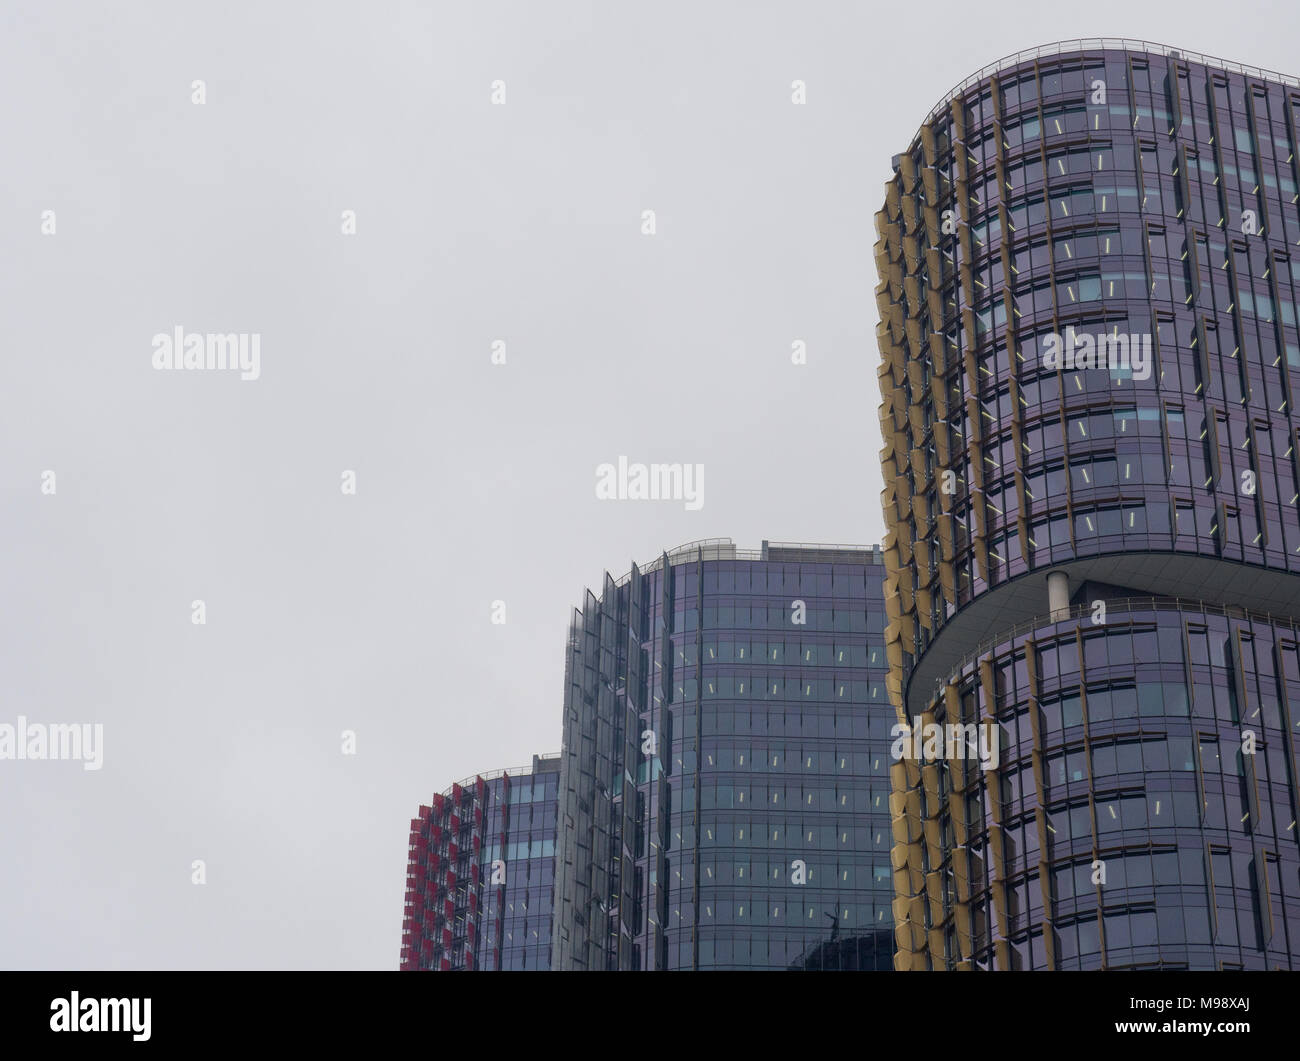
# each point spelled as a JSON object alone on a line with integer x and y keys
{"x": 1058, "y": 594}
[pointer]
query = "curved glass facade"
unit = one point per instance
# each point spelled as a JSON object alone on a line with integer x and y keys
{"x": 1090, "y": 365}
{"x": 1125, "y": 825}
{"x": 724, "y": 785}
{"x": 480, "y": 873}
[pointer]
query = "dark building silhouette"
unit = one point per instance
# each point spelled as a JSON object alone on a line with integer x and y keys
{"x": 868, "y": 952}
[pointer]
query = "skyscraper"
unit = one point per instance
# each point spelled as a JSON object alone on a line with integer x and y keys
{"x": 724, "y": 776}
{"x": 1089, "y": 376}
{"x": 480, "y": 871}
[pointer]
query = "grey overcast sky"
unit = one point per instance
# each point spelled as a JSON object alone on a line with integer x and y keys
{"x": 475, "y": 482}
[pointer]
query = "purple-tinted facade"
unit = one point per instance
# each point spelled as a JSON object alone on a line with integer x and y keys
{"x": 1094, "y": 543}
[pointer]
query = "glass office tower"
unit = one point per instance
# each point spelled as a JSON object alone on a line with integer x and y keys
{"x": 1090, "y": 372}
{"x": 724, "y": 785}
{"x": 480, "y": 873}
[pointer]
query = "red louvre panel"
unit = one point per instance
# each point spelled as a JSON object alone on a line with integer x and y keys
{"x": 481, "y": 785}
{"x": 439, "y": 801}
{"x": 469, "y": 959}
{"x": 446, "y": 939}
{"x": 456, "y": 791}
{"x": 425, "y": 812}
{"x": 453, "y": 850}
{"x": 473, "y": 875}
{"x": 444, "y": 964}
{"x": 449, "y": 909}
{"x": 434, "y": 862}
{"x": 455, "y": 824}
{"x": 473, "y": 902}
{"x": 476, "y": 844}
{"x": 478, "y": 813}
